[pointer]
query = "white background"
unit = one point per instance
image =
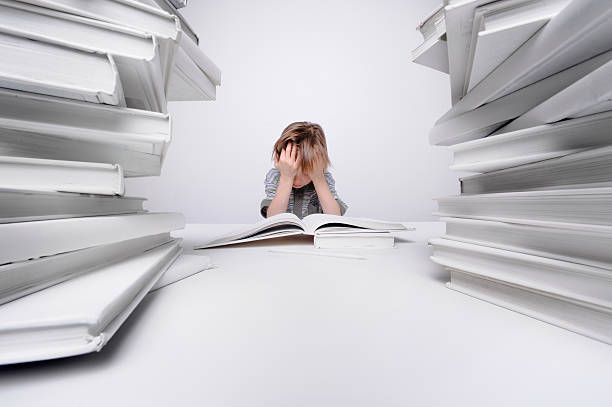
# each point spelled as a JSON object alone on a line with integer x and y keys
{"x": 344, "y": 64}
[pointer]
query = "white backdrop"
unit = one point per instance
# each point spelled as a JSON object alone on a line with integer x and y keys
{"x": 344, "y": 64}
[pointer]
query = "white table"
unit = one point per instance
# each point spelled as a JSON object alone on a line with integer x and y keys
{"x": 268, "y": 329}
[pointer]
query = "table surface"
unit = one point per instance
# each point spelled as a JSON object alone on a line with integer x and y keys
{"x": 273, "y": 329}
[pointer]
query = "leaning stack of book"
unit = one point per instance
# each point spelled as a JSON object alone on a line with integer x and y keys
{"x": 84, "y": 87}
{"x": 531, "y": 115}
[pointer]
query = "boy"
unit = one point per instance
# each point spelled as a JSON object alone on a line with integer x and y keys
{"x": 299, "y": 182}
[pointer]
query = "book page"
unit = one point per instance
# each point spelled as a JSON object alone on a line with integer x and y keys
{"x": 246, "y": 231}
{"x": 316, "y": 221}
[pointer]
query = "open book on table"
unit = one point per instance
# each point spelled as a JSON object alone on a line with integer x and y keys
{"x": 287, "y": 224}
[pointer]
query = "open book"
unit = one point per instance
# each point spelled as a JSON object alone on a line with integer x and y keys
{"x": 287, "y": 224}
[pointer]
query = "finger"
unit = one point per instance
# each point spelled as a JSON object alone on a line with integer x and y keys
{"x": 298, "y": 156}
{"x": 294, "y": 153}
{"x": 289, "y": 149}
{"x": 281, "y": 157}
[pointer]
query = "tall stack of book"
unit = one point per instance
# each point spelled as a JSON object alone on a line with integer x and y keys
{"x": 531, "y": 115}
{"x": 84, "y": 87}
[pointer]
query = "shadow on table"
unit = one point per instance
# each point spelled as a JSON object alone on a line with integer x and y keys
{"x": 95, "y": 360}
{"x": 402, "y": 240}
{"x": 271, "y": 242}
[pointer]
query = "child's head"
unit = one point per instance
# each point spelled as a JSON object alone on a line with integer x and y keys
{"x": 310, "y": 141}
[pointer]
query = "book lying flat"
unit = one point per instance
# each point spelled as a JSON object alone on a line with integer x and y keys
{"x": 27, "y": 206}
{"x": 25, "y": 277}
{"x": 82, "y": 314}
{"x": 484, "y": 120}
{"x": 585, "y": 169}
{"x": 36, "y": 125}
{"x": 287, "y": 224}
{"x": 567, "y": 279}
{"x": 569, "y": 295}
{"x": 571, "y": 206}
{"x": 500, "y": 28}
{"x": 48, "y": 69}
{"x": 33, "y": 174}
{"x": 533, "y": 144}
{"x": 135, "y": 53}
{"x": 352, "y": 239}
{"x": 31, "y": 240}
{"x": 584, "y": 244}
{"x": 576, "y": 316}
{"x": 33, "y": 145}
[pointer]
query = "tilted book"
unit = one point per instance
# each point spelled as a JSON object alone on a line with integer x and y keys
{"x": 30, "y": 240}
{"x": 25, "y": 277}
{"x": 79, "y": 315}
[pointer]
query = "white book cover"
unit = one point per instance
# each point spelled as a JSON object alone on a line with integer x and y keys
{"x": 135, "y": 138}
{"x": 49, "y": 69}
{"x": 82, "y": 314}
{"x": 31, "y": 240}
{"x": 28, "y": 276}
{"x": 166, "y": 27}
{"x": 433, "y": 25}
{"x": 568, "y": 208}
{"x": 586, "y": 244}
{"x": 500, "y": 28}
{"x": 188, "y": 81}
{"x": 33, "y": 174}
{"x": 582, "y": 318}
{"x": 135, "y": 53}
{"x": 588, "y": 284}
{"x": 532, "y": 144}
{"x": 354, "y": 240}
{"x": 28, "y": 145}
{"x": 287, "y": 224}
{"x": 592, "y": 90}
{"x": 433, "y": 53}
{"x": 26, "y": 206}
{"x": 202, "y": 61}
{"x": 454, "y": 128}
{"x": 131, "y": 14}
{"x": 578, "y": 32}
{"x": 170, "y": 8}
{"x": 584, "y": 169}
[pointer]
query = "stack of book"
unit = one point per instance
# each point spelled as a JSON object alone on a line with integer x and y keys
{"x": 532, "y": 109}
{"x": 84, "y": 88}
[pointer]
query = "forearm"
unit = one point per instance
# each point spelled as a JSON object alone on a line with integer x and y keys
{"x": 326, "y": 199}
{"x": 281, "y": 199}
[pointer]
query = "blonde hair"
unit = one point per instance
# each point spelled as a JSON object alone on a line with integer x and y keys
{"x": 310, "y": 140}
